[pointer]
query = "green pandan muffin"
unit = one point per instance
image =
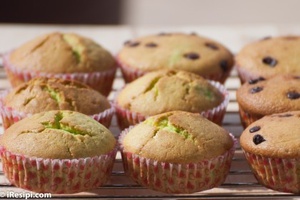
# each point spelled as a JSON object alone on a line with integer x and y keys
{"x": 177, "y": 152}
{"x": 57, "y": 152}
{"x": 169, "y": 90}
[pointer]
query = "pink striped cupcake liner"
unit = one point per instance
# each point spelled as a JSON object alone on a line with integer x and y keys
{"x": 57, "y": 176}
{"x": 280, "y": 174}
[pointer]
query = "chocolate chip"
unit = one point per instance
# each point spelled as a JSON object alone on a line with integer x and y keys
{"x": 256, "y": 90}
{"x": 164, "y": 34}
{"x": 192, "y": 56}
{"x": 193, "y": 33}
{"x": 254, "y": 81}
{"x": 257, "y": 139}
{"x": 224, "y": 65}
{"x": 151, "y": 44}
{"x": 293, "y": 95}
{"x": 285, "y": 115}
{"x": 211, "y": 46}
{"x": 269, "y": 61}
{"x": 254, "y": 129}
{"x": 296, "y": 77}
{"x": 131, "y": 43}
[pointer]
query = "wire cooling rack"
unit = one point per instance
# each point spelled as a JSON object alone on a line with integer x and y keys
{"x": 239, "y": 184}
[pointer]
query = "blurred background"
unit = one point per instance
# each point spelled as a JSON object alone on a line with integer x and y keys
{"x": 150, "y": 12}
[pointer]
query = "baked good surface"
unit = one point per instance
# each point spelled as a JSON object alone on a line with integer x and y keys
{"x": 188, "y": 52}
{"x": 61, "y": 53}
{"x": 169, "y": 90}
{"x": 177, "y": 137}
{"x": 58, "y": 135}
{"x": 275, "y": 136}
{"x": 270, "y": 57}
{"x": 44, "y": 94}
{"x": 263, "y": 97}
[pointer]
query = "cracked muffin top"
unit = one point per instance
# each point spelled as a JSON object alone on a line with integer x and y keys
{"x": 61, "y": 53}
{"x": 177, "y": 137}
{"x": 264, "y": 97}
{"x": 58, "y": 135}
{"x": 44, "y": 94}
{"x": 180, "y": 51}
{"x": 169, "y": 90}
{"x": 269, "y": 57}
{"x": 275, "y": 136}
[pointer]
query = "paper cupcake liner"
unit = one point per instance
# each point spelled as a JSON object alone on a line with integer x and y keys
{"x": 130, "y": 74}
{"x": 11, "y": 116}
{"x": 247, "y": 118}
{"x": 276, "y": 173}
{"x": 177, "y": 178}
{"x": 100, "y": 81}
{"x": 57, "y": 175}
{"x": 126, "y": 118}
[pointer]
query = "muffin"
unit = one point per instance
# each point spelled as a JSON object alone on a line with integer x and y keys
{"x": 177, "y": 152}
{"x": 269, "y": 57}
{"x": 260, "y": 97}
{"x": 271, "y": 146}
{"x": 63, "y": 55}
{"x": 44, "y": 94}
{"x": 179, "y": 51}
{"x": 169, "y": 90}
{"x": 57, "y": 152}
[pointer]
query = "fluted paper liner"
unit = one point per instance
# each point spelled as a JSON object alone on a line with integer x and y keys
{"x": 57, "y": 176}
{"x": 177, "y": 178}
{"x": 126, "y": 118}
{"x": 276, "y": 173}
{"x": 11, "y": 116}
{"x": 100, "y": 81}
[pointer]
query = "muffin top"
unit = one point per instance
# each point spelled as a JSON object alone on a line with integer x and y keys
{"x": 264, "y": 97}
{"x": 58, "y": 135}
{"x": 44, "y": 94}
{"x": 168, "y": 90}
{"x": 177, "y": 137}
{"x": 61, "y": 53}
{"x": 276, "y": 136}
{"x": 188, "y": 52}
{"x": 270, "y": 57}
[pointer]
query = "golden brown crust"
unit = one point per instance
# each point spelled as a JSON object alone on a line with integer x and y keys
{"x": 61, "y": 53}
{"x": 282, "y": 50}
{"x": 280, "y": 136}
{"x": 58, "y": 135}
{"x": 274, "y": 95}
{"x": 44, "y": 94}
{"x": 179, "y": 51}
{"x": 178, "y": 137}
{"x": 169, "y": 90}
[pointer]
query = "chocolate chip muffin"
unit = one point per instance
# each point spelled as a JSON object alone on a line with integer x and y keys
{"x": 179, "y": 51}
{"x": 271, "y": 146}
{"x": 260, "y": 97}
{"x": 269, "y": 57}
{"x": 57, "y": 152}
{"x": 45, "y": 94}
{"x": 64, "y": 55}
{"x": 177, "y": 142}
{"x": 169, "y": 90}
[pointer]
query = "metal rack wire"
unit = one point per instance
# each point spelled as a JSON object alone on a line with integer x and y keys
{"x": 240, "y": 183}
